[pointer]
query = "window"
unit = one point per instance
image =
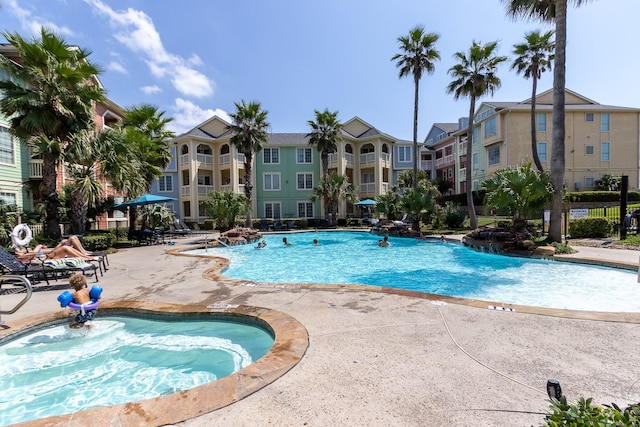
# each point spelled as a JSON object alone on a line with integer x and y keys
{"x": 271, "y": 155}
{"x": 474, "y": 161}
{"x": 542, "y": 122}
{"x": 589, "y": 150}
{"x": 604, "y": 122}
{"x": 6, "y": 146}
{"x": 589, "y": 182}
{"x": 588, "y": 117}
{"x": 271, "y": 182}
{"x": 494, "y": 156}
{"x": 450, "y": 173}
{"x": 404, "y": 154}
{"x": 305, "y": 181}
{"x": 475, "y": 185}
{"x": 165, "y": 183}
{"x": 9, "y": 198}
{"x": 542, "y": 151}
{"x": 476, "y": 134}
{"x": 272, "y": 210}
{"x": 305, "y": 210}
{"x": 490, "y": 127}
{"x": 303, "y": 155}
{"x": 605, "y": 151}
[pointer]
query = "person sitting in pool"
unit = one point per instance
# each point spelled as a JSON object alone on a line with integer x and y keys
{"x": 81, "y": 296}
{"x": 384, "y": 242}
{"x": 316, "y": 243}
{"x": 286, "y": 242}
{"x": 442, "y": 238}
{"x": 261, "y": 245}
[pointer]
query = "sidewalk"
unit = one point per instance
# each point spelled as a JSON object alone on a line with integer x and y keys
{"x": 396, "y": 359}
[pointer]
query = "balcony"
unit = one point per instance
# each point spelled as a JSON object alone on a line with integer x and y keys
{"x": 426, "y": 164}
{"x": 225, "y": 159}
{"x": 204, "y": 159}
{"x": 368, "y": 188}
{"x": 349, "y": 158}
{"x": 184, "y": 191}
{"x": 35, "y": 169}
{"x": 184, "y": 159}
{"x": 204, "y": 190}
{"x": 367, "y": 158}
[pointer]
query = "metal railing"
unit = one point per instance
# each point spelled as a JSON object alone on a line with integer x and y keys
{"x": 22, "y": 281}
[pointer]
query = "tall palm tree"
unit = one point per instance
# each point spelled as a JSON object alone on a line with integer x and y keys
{"x": 249, "y": 133}
{"x": 417, "y": 55}
{"x": 552, "y": 11}
{"x": 334, "y": 188}
{"x": 148, "y": 139}
{"x": 474, "y": 76}
{"x": 533, "y": 57}
{"x": 51, "y": 99}
{"x": 325, "y": 134}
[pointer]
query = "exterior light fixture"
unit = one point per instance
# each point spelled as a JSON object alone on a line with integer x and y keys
{"x": 553, "y": 389}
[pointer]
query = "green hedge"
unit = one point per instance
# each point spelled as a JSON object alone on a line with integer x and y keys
{"x": 98, "y": 242}
{"x": 590, "y": 227}
{"x": 600, "y": 196}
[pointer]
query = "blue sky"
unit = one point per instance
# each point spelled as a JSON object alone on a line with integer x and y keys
{"x": 195, "y": 58}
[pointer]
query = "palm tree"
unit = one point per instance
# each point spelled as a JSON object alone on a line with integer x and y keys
{"x": 521, "y": 190}
{"x": 334, "y": 188}
{"x": 552, "y": 11}
{"x": 534, "y": 57}
{"x": 51, "y": 99}
{"x": 474, "y": 76}
{"x": 419, "y": 200}
{"x": 417, "y": 55}
{"x": 249, "y": 133}
{"x": 389, "y": 205}
{"x": 325, "y": 134}
{"x": 225, "y": 208}
{"x": 146, "y": 136}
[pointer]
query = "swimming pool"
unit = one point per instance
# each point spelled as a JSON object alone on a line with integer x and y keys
{"x": 58, "y": 370}
{"x": 431, "y": 266}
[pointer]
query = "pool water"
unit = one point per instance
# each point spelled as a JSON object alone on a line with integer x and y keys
{"x": 432, "y": 266}
{"x": 59, "y": 370}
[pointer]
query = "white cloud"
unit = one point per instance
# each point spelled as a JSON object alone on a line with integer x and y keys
{"x": 117, "y": 67}
{"x": 150, "y": 90}
{"x": 186, "y": 115}
{"x": 32, "y": 24}
{"x": 136, "y": 30}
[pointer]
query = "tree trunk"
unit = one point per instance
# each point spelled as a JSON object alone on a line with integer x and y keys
{"x": 325, "y": 171}
{"x": 557, "y": 153}
{"x": 133, "y": 218}
{"x": 248, "y": 186}
{"x": 79, "y": 208}
{"x": 473, "y": 219}
{"x": 415, "y": 133}
{"x": 50, "y": 196}
{"x": 534, "y": 129}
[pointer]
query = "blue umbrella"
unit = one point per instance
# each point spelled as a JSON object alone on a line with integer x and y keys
{"x": 145, "y": 199}
{"x": 365, "y": 202}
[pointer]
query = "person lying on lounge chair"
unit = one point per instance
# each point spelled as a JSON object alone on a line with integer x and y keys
{"x": 64, "y": 250}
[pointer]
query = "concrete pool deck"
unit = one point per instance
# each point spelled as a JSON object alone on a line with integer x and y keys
{"x": 395, "y": 358}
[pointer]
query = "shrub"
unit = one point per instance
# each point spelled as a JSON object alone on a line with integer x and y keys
{"x": 590, "y": 227}
{"x": 584, "y": 413}
{"x": 454, "y": 215}
{"x": 210, "y": 224}
{"x": 342, "y": 222}
{"x": 98, "y": 242}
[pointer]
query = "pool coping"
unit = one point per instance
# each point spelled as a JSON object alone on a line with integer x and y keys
{"x": 291, "y": 341}
{"x": 215, "y": 274}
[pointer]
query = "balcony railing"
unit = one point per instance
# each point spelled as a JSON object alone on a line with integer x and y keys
{"x": 204, "y": 190}
{"x": 462, "y": 174}
{"x": 426, "y": 164}
{"x": 184, "y": 159}
{"x": 349, "y": 158}
{"x": 204, "y": 159}
{"x": 35, "y": 169}
{"x": 184, "y": 190}
{"x": 368, "y": 188}
{"x": 367, "y": 158}
{"x": 225, "y": 159}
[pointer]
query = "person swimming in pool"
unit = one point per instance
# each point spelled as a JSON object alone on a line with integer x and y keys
{"x": 286, "y": 242}
{"x": 261, "y": 245}
{"x": 384, "y": 242}
{"x": 81, "y": 296}
{"x": 316, "y": 243}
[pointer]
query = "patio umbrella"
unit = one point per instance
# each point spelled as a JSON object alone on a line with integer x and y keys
{"x": 145, "y": 199}
{"x": 365, "y": 202}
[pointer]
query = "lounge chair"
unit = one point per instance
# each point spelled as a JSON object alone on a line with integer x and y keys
{"x": 277, "y": 226}
{"x": 9, "y": 264}
{"x": 66, "y": 266}
{"x": 264, "y": 225}
{"x": 291, "y": 225}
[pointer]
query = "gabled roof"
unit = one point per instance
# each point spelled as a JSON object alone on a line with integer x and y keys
{"x": 288, "y": 139}
{"x": 358, "y": 128}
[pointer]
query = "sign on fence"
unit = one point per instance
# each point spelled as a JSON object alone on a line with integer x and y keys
{"x": 578, "y": 213}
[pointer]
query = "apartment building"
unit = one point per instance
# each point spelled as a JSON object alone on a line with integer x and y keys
{"x": 599, "y": 139}
{"x": 284, "y": 172}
